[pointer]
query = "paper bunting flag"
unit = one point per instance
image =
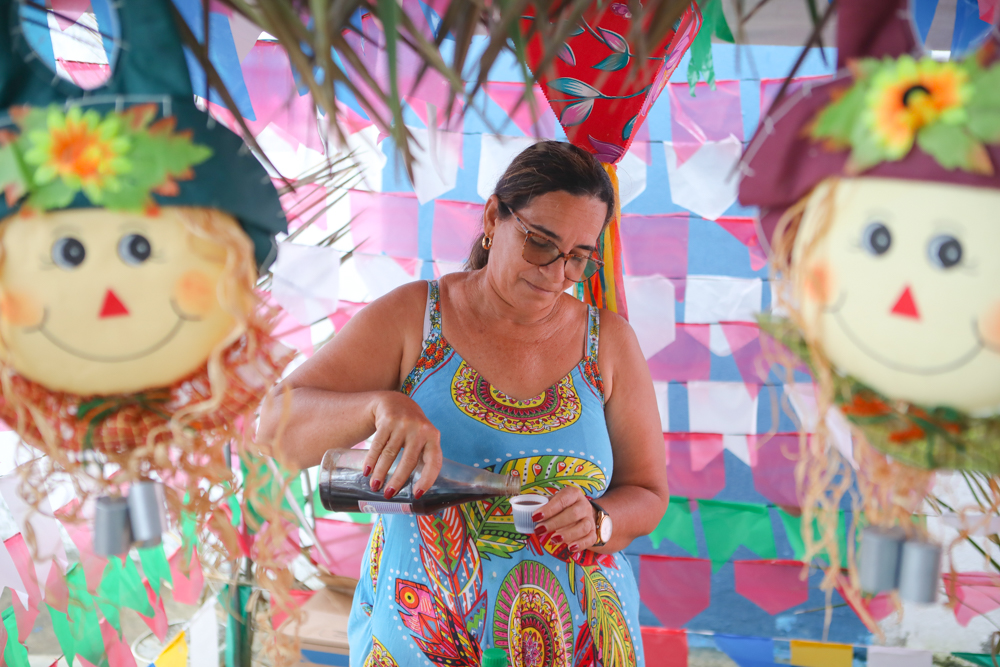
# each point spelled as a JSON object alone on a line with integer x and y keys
{"x": 747, "y": 651}
{"x": 187, "y": 577}
{"x": 456, "y": 225}
{"x": 977, "y": 594}
{"x": 821, "y": 654}
{"x": 665, "y": 647}
{"x": 306, "y": 281}
{"x": 793, "y": 531}
{"x": 677, "y": 525}
{"x": 687, "y": 358}
{"x": 61, "y": 629}
{"x": 118, "y": 652}
{"x": 655, "y": 244}
{"x": 22, "y": 578}
{"x": 675, "y": 589}
{"x": 980, "y": 659}
{"x": 25, "y": 617}
{"x": 175, "y": 654}
{"x": 56, "y": 591}
{"x": 696, "y": 467}
{"x": 344, "y": 543}
{"x": 728, "y": 526}
{"x": 889, "y": 656}
{"x": 14, "y": 654}
{"x": 703, "y": 115}
{"x": 651, "y": 300}
{"x": 157, "y": 620}
{"x": 155, "y": 567}
{"x": 772, "y": 585}
{"x": 203, "y": 636}
{"x": 509, "y": 96}
{"x": 84, "y": 625}
{"x": 109, "y": 598}
{"x": 774, "y": 469}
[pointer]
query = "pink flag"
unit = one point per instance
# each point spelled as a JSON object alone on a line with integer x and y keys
{"x": 977, "y": 593}
{"x": 745, "y": 231}
{"x": 68, "y": 12}
{"x": 744, "y": 342}
{"x": 697, "y": 469}
{"x": 275, "y": 96}
{"x": 19, "y": 553}
{"x": 345, "y": 312}
{"x": 774, "y": 473}
{"x": 86, "y": 75}
{"x": 665, "y": 647}
{"x": 345, "y": 545}
{"x": 456, "y": 225}
{"x": 655, "y": 244}
{"x": 385, "y": 223}
{"x": 675, "y": 589}
{"x": 772, "y": 585}
{"x": 510, "y": 96}
{"x": 187, "y": 582}
{"x": 25, "y": 618}
{"x": 56, "y": 591}
{"x": 118, "y": 652}
{"x": 769, "y": 89}
{"x": 687, "y": 358}
{"x": 158, "y": 622}
{"x": 709, "y": 115}
{"x": 79, "y": 532}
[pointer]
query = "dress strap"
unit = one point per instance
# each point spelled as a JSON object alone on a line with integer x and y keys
{"x": 432, "y": 313}
{"x": 593, "y": 332}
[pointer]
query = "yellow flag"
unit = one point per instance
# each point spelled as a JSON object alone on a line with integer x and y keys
{"x": 175, "y": 654}
{"x": 817, "y": 654}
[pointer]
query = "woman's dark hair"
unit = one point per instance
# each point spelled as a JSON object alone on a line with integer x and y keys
{"x": 548, "y": 166}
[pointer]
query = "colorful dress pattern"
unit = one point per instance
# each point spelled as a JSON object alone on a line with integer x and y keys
{"x": 436, "y": 590}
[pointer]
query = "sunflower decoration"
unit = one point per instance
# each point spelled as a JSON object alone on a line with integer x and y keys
{"x": 948, "y": 109}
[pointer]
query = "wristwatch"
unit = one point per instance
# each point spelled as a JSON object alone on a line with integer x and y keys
{"x": 603, "y": 525}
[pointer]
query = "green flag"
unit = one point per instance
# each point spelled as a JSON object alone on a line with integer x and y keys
{"x": 84, "y": 624}
{"x": 983, "y": 659}
{"x": 793, "y": 531}
{"x": 63, "y": 633}
{"x": 677, "y": 525}
{"x": 109, "y": 593}
{"x": 14, "y": 654}
{"x": 155, "y": 566}
{"x": 729, "y": 525}
{"x": 713, "y": 23}
{"x": 133, "y": 591}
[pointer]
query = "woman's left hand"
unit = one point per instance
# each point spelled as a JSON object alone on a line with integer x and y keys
{"x": 567, "y": 518}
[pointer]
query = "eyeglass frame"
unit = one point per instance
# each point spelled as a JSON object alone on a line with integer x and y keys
{"x": 562, "y": 255}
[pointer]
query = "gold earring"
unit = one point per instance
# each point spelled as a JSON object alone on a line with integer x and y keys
{"x": 487, "y": 243}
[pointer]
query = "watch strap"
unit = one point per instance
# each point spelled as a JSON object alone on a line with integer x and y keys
{"x": 601, "y": 514}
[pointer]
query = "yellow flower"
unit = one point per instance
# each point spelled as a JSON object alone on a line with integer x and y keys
{"x": 82, "y": 150}
{"x": 907, "y": 95}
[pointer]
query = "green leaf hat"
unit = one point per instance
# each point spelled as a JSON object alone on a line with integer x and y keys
{"x": 137, "y": 142}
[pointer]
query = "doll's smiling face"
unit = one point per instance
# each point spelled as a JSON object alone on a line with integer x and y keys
{"x": 900, "y": 281}
{"x": 102, "y": 302}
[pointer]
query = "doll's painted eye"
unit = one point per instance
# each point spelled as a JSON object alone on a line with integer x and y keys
{"x": 944, "y": 251}
{"x": 134, "y": 249}
{"x": 68, "y": 252}
{"x": 876, "y": 238}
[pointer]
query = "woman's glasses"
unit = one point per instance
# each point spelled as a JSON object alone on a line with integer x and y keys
{"x": 540, "y": 251}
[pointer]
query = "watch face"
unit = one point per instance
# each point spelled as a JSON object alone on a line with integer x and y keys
{"x": 606, "y": 529}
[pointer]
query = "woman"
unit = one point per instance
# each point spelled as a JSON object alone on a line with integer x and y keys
{"x": 568, "y": 405}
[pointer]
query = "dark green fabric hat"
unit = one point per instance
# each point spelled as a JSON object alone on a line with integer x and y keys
{"x": 136, "y": 142}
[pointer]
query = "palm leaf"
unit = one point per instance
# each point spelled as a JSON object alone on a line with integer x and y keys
{"x": 312, "y": 30}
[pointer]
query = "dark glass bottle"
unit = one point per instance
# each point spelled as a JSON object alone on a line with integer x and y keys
{"x": 342, "y": 487}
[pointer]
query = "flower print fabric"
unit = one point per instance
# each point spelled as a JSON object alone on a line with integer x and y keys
{"x": 439, "y": 589}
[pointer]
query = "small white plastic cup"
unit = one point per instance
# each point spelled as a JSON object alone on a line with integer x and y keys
{"x": 522, "y": 508}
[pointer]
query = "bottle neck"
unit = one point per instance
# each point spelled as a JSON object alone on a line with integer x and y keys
{"x": 512, "y": 485}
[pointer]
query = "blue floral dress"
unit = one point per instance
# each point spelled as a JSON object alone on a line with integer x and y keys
{"x": 436, "y": 590}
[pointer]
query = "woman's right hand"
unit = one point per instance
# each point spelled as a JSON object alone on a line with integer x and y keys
{"x": 401, "y": 426}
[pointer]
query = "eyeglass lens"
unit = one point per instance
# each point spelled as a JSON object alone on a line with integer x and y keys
{"x": 541, "y": 252}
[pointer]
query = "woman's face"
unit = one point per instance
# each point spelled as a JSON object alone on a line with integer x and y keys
{"x": 571, "y": 222}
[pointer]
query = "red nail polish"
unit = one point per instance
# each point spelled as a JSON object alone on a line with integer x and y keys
{"x": 556, "y": 538}
{"x": 537, "y": 516}
{"x": 574, "y": 548}
{"x": 376, "y": 485}
{"x": 367, "y": 471}
{"x": 419, "y": 493}
{"x": 390, "y": 492}
{"x": 540, "y": 530}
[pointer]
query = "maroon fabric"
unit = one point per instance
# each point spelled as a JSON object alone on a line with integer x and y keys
{"x": 783, "y": 163}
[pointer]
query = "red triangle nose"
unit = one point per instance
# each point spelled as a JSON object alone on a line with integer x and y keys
{"x": 905, "y": 305}
{"x": 113, "y": 306}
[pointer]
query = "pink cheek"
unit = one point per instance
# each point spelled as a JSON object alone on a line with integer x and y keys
{"x": 989, "y": 326}
{"x": 20, "y": 309}
{"x": 820, "y": 282}
{"x": 195, "y": 293}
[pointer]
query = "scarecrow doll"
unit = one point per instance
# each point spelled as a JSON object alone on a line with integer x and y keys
{"x": 132, "y": 231}
{"x": 879, "y": 194}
